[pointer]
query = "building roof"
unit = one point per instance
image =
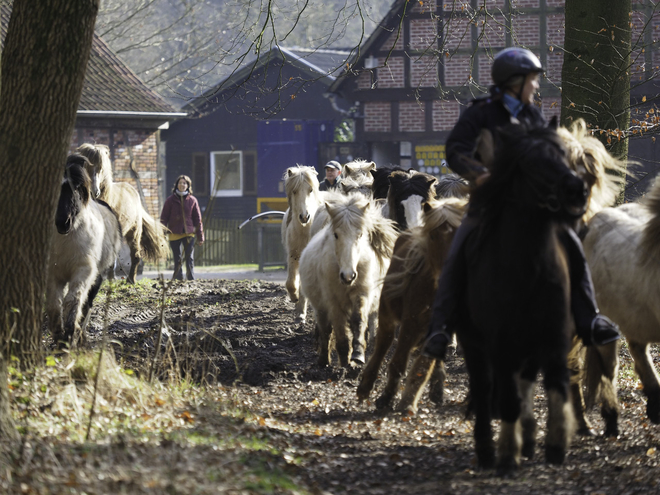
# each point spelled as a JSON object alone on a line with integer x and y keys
{"x": 110, "y": 88}
{"x": 321, "y": 65}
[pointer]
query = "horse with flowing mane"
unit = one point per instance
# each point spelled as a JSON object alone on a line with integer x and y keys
{"x": 84, "y": 247}
{"x": 514, "y": 320}
{"x": 406, "y": 300}
{"x": 358, "y": 167}
{"x": 622, "y": 246}
{"x": 303, "y": 197}
{"x": 144, "y": 235}
{"x": 339, "y": 272}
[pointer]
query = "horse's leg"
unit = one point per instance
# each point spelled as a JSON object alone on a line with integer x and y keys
{"x": 647, "y": 374}
{"x": 384, "y": 338}
{"x": 481, "y": 390}
{"x": 509, "y": 445}
{"x": 561, "y": 423}
{"x": 86, "y": 313}
{"x": 324, "y": 331}
{"x": 73, "y": 303}
{"x": 602, "y": 364}
{"x": 340, "y": 331}
{"x": 575, "y": 366}
{"x": 54, "y": 297}
{"x": 417, "y": 378}
{"x": 437, "y": 383}
{"x": 293, "y": 277}
{"x": 358, "y": 325}
{"x": 527, "y": 387}
{"x": 133, "y": 240}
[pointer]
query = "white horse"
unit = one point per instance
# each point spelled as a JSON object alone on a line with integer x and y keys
{"x": 623, "y": 250}
{"x": 340, "y": 271}
{"x": 358, "y": 167}
{"x": 84, "y": 247}
{"x": 303, "y": 197}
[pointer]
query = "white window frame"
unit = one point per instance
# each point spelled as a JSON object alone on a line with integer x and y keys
{"x": 227, "y": 192}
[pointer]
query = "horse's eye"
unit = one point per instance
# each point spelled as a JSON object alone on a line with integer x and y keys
{"x": 336, "y": 236}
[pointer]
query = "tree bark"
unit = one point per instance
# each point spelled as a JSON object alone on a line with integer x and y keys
{"x": 43, "y": 66}
{"x": 595, "y": 75}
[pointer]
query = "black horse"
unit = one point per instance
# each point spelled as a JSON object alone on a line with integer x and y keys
{"x": 514, "y": 318}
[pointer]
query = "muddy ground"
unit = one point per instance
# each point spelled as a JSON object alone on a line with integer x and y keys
{"x": 241, "y": 335}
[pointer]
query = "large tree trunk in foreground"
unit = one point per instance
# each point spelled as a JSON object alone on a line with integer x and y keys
{"x": 43, "y": 66}
{"x": 596, "y": 75}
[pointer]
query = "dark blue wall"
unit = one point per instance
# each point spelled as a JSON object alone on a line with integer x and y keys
{"x": 230, "y": 122}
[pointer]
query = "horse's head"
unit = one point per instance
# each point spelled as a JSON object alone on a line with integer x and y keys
{"x": 531, "y": 168}
{"x": 452, "y": 186}
{"x": 98, "y": 166}
{"x": 358, "y": 167}
{"x": 302, "y": 192}
{"x": 590, "y": 160}
{"x": 74, "y": 193}
{"x": 349, "y": 232}
{"x": 358, "y": 183}
{"x": 408, "y": 193}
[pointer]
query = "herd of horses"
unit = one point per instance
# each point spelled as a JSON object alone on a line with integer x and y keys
{"x": 367, "y": 257}
{"x": 368, "y": 262}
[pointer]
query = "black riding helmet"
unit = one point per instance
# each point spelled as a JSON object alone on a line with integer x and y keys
{"x": 514, "y": 61}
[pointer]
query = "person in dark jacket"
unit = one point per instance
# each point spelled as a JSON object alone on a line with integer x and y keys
{"x": 515, "y": 72}
{"x": 332, "y": 176}
{"x": 182, "y": 216}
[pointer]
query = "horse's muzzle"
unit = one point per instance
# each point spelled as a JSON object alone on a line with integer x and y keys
{"x": 63, "y": 228}
{"x": 347, "y": 279}
{"x": 574, "y": 195}
{"x": 304, "y": 219}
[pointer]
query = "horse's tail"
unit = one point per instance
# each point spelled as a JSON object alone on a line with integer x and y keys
{"x": 601, "y": 366}
{"x": 153, "y": 242}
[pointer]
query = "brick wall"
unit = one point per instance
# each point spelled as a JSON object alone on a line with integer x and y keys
{"x": 424, "y": 6}
{"x": 393, "y": 39}
{"x": 423, "y": 34}
{"x": 493, "y": 31}
{"x": 551, "y": 107}
{"x": 390, "y": 76}
{"x": 145, "y": 153}
{"x": 525, "y": 29}
{"x": 456, "y": 34}
{"x": 522, "y": 4}
{"x": 377, "y": 116}
{"x": 555, "y": 29}
{"x": 411, "y": 116}
{"x": 485, "y": 63}
{"x": 457, "y": 70}
{"x": 424, "y": 72}
{"x": 445, "y": 114}
{"x": 364, "y": 80}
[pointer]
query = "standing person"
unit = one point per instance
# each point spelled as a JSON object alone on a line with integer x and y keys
{"x": 181, "y": 214}
{"x": 332, "y": 176}
{"x": 515, "y": 72}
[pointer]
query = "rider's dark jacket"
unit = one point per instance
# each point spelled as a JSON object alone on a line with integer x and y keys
{"x": 485, "y": 113}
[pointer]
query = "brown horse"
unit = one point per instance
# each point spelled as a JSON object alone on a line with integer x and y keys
{"x": 144, "y": 235}
{"x": 406, "y": 298}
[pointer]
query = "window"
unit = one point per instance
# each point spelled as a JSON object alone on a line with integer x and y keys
{"x": 227, "y": 173}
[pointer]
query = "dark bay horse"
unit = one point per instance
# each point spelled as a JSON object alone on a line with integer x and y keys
{"x": 514, "y": 319}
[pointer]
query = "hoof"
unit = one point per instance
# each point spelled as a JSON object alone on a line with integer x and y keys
{"x": 554, "y": 454}
{"x": 653, "y": 410}
{"x": 585, "y": 431}
{"x": 358, "y": 357}
{"x": 383, "y": 402}
{"x": 528, "y": 449}
{"x": 506, "y": 469}
{"x": 299, "y": 320}
{"x": 486, "y": 458}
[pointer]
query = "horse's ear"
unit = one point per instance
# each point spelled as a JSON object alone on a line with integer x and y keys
{"x": 554, "y": 123}
{"x": 428, "y": 207}
{"x": 372, "y": 166}
{"x": 373, "y": 172}
{"x": 329, "y": 209}
{"x": 397, "y": 177}
{"x": 348, "y": 170}
{"x": 289, "y": 172}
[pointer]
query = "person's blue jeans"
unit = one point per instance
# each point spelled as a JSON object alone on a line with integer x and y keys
{"x": 186, "y": 247}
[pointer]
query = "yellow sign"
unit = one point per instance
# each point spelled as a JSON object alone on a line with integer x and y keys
{"x": 431, "y": 159}
{"x": 270, "y": 204}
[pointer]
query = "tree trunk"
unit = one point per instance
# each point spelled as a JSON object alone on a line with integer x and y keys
{"x": 596, "y": 76}
{"x": 43, "y": 66}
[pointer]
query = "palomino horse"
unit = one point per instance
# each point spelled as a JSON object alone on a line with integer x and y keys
{"x": 85, "y": 246}
{"x": 604, "y": 176}
{"x": 622, "y": 246}
{"x": 406, "y": 299}
{"x": 144, "y": 235}
{"x": 302, "y": 194}
{"x": 514, "y": 319}
{"x": 357, "y": 183}
{"x": 339, "y": 272}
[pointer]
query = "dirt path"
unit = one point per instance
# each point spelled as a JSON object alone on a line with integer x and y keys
{"x": 240, "y": 335}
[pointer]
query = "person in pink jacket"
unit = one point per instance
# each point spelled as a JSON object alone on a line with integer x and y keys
{"x": 182, "y": 216}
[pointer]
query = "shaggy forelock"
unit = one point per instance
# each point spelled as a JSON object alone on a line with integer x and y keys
{"x": 300, "y": 175}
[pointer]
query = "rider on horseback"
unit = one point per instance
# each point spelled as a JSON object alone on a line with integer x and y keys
{"x": 515, "y": 72}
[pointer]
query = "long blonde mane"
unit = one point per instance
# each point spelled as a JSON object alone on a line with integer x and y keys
{"x": 295, "y": 177}
{"x": 589, "y": 158}
{"x": 421, "y": 258}
{"x": 355, "y": 212}
{"x": 99, "y": 157}
{"x": 358, "y": 167}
